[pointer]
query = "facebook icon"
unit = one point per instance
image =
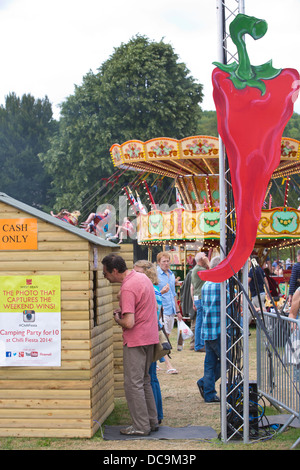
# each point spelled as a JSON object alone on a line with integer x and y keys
{"x": 8, "y": 353}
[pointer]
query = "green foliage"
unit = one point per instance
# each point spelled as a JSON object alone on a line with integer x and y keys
{"x": 140, "y": 92}
{"x": 76, "y": 158}
{"x": 25, "y": 125}
{"x": 147, "y": 93}
{"x": 208, "y": 124}
{"x": 292, "y": 129}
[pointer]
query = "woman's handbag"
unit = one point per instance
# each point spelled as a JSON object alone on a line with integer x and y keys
{"x": 164, "y": 346}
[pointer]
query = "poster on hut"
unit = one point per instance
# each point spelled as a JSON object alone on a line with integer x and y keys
{"x": 30, "y": 321}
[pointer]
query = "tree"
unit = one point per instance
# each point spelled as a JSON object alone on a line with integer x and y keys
{"x": 147, "y": 93}
{"x": 140, "y": 92}
{"x": 25, "y": 125}
{"x": 292, "y": 129}
{"x": 208, "y": 124}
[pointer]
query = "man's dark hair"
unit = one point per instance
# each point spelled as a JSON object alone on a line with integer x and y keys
{"x": 113, "y": 261}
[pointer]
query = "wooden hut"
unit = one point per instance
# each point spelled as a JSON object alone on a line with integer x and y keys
{"x": 73, "y": 398}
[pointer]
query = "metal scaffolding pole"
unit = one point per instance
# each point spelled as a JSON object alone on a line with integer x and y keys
{"x": 234, "y": 422}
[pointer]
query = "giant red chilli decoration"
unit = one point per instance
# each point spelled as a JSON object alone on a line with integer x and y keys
{"x": 253, "y": 105}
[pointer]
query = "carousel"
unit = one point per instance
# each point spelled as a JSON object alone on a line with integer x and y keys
{"x": 193, "y": 164}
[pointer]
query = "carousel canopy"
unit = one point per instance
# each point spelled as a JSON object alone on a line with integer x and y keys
{"x": 192, "y": 156}
{"x": 193, "y": 162}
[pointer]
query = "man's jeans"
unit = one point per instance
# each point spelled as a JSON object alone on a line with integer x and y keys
{"x": 212, "y": 368}
{"x": 199, "y": 342}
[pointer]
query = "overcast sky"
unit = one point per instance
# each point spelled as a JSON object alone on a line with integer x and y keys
{"x": 47, "y": 46}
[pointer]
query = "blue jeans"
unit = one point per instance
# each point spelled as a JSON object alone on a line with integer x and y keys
{"x": 156, "y": 391}
{"x": 212, "y": 368}
{"x": 199, "y": 343}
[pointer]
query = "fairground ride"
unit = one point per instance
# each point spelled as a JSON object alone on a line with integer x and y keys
{"x": 193, "y": 164}
{"x": 193, "y": 169}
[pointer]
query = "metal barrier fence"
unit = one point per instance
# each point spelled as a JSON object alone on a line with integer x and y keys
{"x": 278, "y": 363}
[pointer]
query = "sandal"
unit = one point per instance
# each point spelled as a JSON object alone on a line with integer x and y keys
{"x": 172, "y": 371}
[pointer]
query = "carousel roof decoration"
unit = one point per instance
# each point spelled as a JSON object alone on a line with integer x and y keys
{"x": 170, "y": 157}
{"x": 191, "y": 156}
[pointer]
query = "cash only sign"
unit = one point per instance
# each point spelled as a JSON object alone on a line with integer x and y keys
{"x": 18, "y": 234}
{"x": 30, "y": 321}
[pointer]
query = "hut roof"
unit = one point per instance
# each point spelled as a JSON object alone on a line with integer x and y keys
{"x": 53, "y": 220}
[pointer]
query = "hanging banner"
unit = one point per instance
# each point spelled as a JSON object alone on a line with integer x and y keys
{"x": 30, "y": 321}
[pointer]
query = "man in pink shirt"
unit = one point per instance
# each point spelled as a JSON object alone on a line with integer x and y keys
{"x": 138, "y": 318}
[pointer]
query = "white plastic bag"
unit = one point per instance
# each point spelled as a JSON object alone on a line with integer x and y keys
{"x": 185, "y": 330}
{"x": 292, "y": 349}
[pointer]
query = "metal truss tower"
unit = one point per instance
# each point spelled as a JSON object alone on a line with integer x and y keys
{"x": 234, "y": 331}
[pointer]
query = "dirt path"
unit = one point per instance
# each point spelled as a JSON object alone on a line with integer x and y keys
{"x": 182, "y": 406}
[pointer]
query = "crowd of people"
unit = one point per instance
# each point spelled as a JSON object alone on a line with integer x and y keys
{"x": 148, "y": 297}
{"x": 144, "y": 291}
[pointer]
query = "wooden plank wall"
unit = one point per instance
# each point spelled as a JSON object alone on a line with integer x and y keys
{"x": 61, "y": 401}
{"x": 127, "y": 253}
